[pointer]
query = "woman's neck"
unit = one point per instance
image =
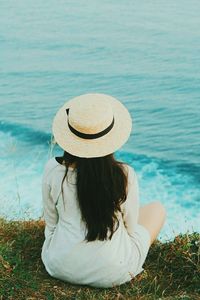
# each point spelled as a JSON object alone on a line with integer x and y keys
{"x": 61, "y": 161}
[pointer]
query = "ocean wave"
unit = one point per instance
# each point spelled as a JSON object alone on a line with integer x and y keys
{"x": 25, "y": 133}
{"x": 32, "y": 136}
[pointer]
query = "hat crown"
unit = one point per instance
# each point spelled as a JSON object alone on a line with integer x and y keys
{"x": 90, "y": 114}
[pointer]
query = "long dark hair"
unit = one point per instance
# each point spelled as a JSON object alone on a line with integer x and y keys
{"x": 101, "y": 189}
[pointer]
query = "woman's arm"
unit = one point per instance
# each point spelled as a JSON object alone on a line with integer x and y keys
{"x": 131, "y": 205}
{"x": 49, "y": 208}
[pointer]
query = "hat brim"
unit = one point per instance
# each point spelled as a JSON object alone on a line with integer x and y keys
{"x": 98, "y": 147}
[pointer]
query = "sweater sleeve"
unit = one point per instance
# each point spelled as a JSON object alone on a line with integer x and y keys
{"x": 130, "y": 208}
{"x": 49, "y": 209}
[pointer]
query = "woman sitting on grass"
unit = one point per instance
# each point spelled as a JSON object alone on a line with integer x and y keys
{"x": 96, "y": 233}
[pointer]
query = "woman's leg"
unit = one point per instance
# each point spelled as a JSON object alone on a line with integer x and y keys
{"x": 152, "y": 216}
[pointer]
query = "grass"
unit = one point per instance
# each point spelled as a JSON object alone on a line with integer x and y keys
{"x": 172, "y": 269}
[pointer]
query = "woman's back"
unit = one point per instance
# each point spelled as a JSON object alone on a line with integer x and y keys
{"x": 68, "y": 256}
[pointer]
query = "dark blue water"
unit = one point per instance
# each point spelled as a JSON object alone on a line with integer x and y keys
{"x": 144, "y": 53}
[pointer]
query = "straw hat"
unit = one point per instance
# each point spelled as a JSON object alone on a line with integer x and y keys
{"x": 92, "y": 125}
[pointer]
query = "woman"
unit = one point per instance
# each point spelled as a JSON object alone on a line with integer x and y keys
{"x": 96, "y": 233}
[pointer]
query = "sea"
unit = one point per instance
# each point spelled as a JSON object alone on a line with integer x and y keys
{"x": 144, "y": 53}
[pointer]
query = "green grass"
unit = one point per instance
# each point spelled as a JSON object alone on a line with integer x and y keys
{"x": 172, "y": 269}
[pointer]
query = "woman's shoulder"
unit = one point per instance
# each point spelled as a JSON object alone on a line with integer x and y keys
{"x": 51, "y": 163}
{"x": 51, "y": 167}
{"x": 130, "y": 173}
{"x": 130, "y": 170}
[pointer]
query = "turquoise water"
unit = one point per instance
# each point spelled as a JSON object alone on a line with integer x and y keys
{"x": 144, "y": 53}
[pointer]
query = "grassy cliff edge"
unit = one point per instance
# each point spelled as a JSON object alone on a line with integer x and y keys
{"x": 172, "y": 269}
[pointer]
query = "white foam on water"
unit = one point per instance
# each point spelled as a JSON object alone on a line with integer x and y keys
{"x": 178, "y": 192}
{"x": 21, "y": 170}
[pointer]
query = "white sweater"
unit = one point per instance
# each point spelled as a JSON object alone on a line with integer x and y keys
{"x": 65, "y": 253}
